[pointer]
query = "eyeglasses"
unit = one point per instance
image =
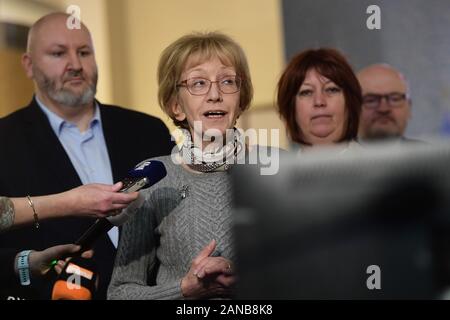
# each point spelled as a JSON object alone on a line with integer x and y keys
{"x": 201, "y": 86}
{"x": 394, "y": 100}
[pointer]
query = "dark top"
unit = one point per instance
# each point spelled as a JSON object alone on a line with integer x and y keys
{"x": 7, "y": 260}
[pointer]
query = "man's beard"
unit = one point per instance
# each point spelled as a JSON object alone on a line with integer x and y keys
{"x": 383, "y": 133}
{"x": 377, "y": 131}
{"x": 65, "y": 96}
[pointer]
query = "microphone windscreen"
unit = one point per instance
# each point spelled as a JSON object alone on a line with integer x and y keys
{"x": 145, "y": 174}
{"x": 153, "y": 170}
{"x": 77, "y": 281}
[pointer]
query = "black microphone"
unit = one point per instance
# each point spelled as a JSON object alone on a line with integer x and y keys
{"x": 144, "y": 175}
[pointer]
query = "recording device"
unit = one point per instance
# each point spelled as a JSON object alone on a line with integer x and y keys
{"x": 78, "y": 281}
{"x": 144, "y": 175}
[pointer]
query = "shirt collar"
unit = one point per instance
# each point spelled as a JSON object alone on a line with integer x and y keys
{"x": 57, "y": 123}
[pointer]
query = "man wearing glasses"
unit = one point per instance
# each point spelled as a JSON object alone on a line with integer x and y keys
{"x": 386, "y": 103}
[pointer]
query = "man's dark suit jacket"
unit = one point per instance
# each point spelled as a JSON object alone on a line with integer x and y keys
{"x": 33, "y": 162}
{"x": 7, "y": 259}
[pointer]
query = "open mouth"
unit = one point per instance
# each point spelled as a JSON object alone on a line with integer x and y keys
{"x": 214, "y": 114}
{"x": 321, "y": 116}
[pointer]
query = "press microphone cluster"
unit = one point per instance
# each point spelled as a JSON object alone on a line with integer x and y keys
{"x": 77, "y": 281}
{"x": 144, "y": 175}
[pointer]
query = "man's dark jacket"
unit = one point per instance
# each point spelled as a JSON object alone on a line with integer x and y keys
{"x": 34, "y": 162}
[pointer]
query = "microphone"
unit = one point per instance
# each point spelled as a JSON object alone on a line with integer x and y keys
{"x": 144, "y": 175}
{"x": 77, "y": 281}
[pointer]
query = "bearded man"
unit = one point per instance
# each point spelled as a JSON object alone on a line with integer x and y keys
{"x": 65, "y": 138}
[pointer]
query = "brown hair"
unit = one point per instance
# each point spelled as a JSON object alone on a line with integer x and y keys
{"x": 331, "y": 64}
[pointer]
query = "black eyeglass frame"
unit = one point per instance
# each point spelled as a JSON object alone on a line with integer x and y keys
{"x": 390, "y": 97}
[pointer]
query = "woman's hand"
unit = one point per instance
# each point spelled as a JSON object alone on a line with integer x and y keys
{"x": 208, "y": 277}
{"x": 40, "y": 262}
{"x": 98, "y": 200}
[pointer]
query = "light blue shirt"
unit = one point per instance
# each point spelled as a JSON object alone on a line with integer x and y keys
{"x": 86, "y": 150}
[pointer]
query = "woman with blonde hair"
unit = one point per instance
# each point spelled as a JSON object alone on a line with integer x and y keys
{"x": 178, "y": 244}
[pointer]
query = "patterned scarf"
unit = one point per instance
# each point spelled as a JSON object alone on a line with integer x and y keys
{"x": 212, "y": 159}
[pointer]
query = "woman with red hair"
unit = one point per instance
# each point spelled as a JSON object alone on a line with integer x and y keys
{"x": 319, "y": 99}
